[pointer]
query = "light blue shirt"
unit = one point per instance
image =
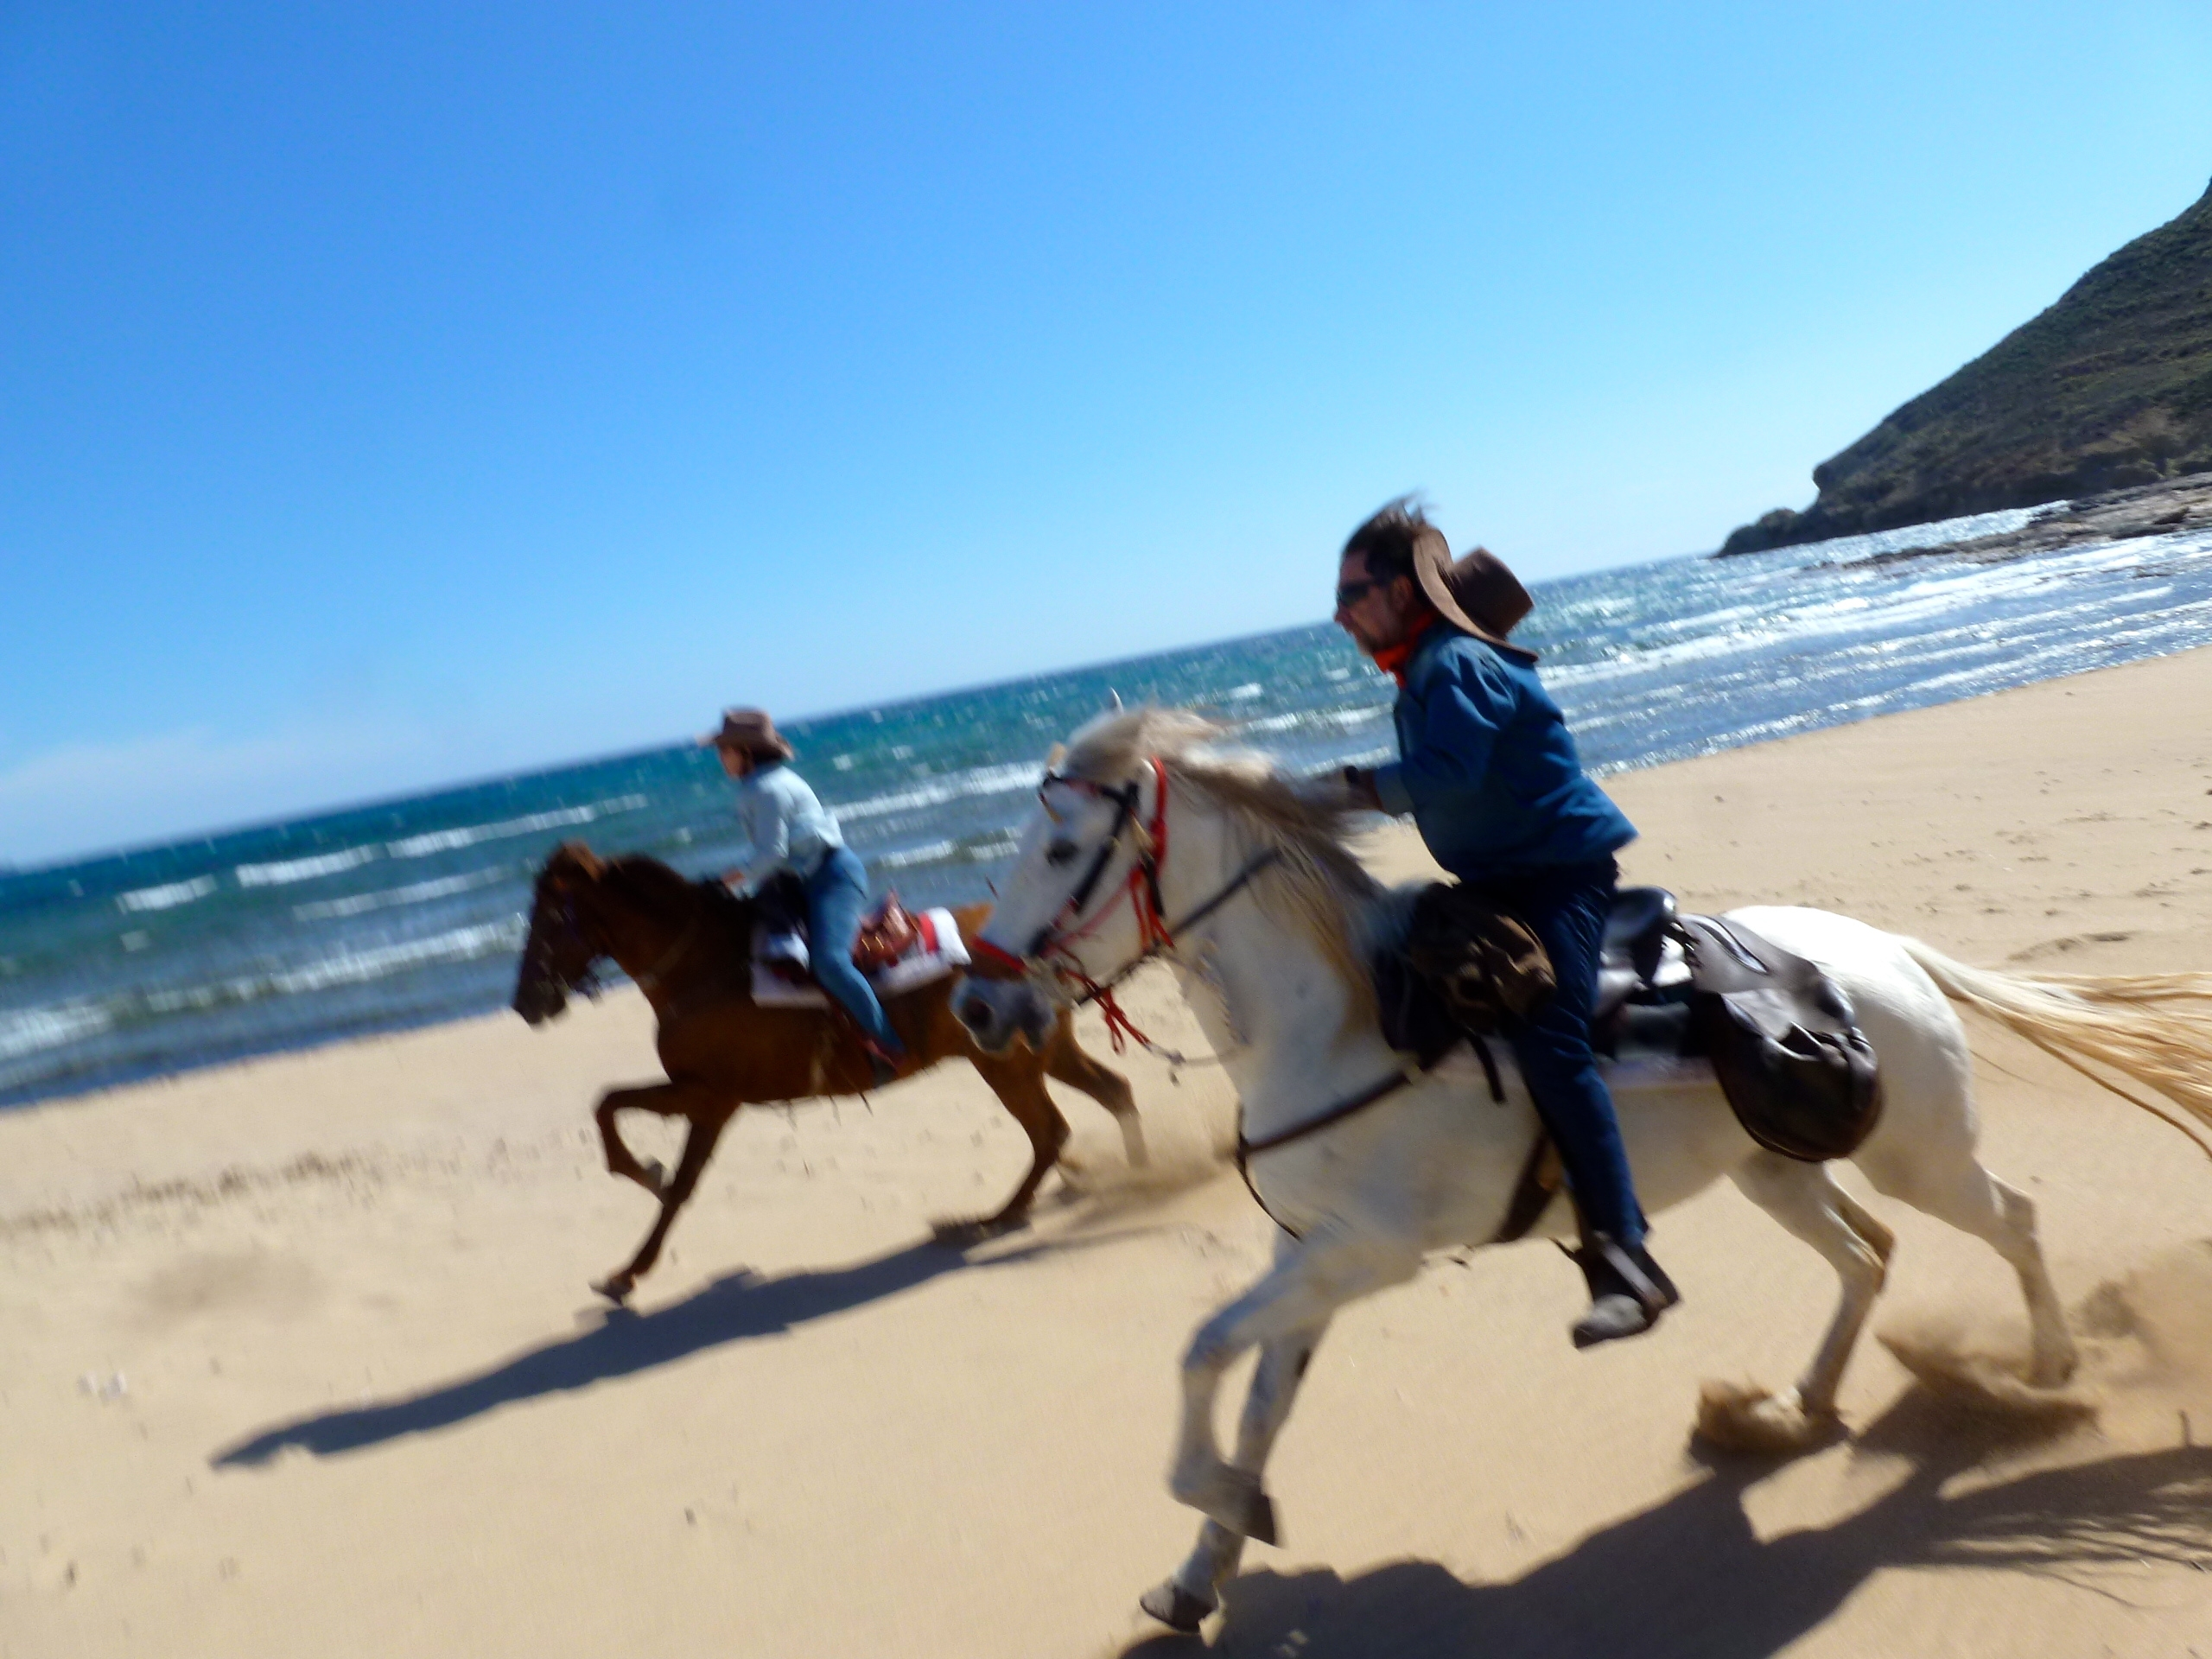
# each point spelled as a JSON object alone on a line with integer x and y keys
{"x": 789, "y": 828}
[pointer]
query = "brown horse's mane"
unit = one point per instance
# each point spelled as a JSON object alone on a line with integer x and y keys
{"x": 674, "y": 899}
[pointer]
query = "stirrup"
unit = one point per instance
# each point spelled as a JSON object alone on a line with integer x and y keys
{"x": 1638, "y": 1288}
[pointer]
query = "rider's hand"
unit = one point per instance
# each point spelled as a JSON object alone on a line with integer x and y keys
{"x": 733, "y": 877}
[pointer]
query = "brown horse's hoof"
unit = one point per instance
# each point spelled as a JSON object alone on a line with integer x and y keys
{"x": 616, "y": 1288}
{"x": 959, "y": 1235}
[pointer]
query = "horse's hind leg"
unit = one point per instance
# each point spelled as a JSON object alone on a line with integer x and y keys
{"x": 699, "y": 1146}
{"x": 1957, "y": 1189}
{"x": 1018, "y": 1081}
{"x": 1065, "y": 1061}
{"x": 1805, "y": 1199}
{"x": 1195, "y": 1590}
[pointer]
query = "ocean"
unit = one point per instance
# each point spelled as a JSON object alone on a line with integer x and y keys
{"x": 406, "y": 912}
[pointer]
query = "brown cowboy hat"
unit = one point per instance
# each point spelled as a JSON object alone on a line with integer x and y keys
{"x": 1476, "y": 594}
{"x": 751, "y": 730}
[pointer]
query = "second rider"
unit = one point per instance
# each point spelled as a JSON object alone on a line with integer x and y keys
{"x": 1487, "y": 769}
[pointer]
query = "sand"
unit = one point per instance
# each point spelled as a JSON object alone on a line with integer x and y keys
{"x": 301, "y": 1359}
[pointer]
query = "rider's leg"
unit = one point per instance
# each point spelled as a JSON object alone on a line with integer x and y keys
{"x": 1567, "y": 910}
{"x": 836, "y": 895}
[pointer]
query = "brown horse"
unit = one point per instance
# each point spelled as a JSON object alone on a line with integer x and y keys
{"x": 688, "y": 945}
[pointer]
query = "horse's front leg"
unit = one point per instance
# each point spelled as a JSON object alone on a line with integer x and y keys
{"x": 699, "y": 1146}
{"x": 1311, "y": 1278}
{"x": 661, "y": 1099}
{"x": 1184, "y": 1600}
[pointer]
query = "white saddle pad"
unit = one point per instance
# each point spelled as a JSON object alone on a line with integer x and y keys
{"x": 938, "y": 952}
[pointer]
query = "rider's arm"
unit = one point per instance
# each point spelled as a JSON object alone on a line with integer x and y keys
{"x": 1464, "y": 701}
{"x": 760, "y": 815}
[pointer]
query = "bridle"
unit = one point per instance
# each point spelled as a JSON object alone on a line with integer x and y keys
{"x": 1052, "y": 946}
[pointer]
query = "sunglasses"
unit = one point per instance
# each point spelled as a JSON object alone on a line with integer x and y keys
{"x": 1352, "y": 592}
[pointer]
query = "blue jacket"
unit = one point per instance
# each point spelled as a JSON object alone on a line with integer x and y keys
{"x": 1486, "y": 766}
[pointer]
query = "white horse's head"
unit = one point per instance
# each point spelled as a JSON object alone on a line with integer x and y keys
{"x": 1091, "y": 870}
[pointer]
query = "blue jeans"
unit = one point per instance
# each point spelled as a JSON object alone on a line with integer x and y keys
{"x": 1567, "y": 907}
{"x": 836, "y": 898}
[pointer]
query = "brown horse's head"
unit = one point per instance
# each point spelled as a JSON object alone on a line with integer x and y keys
{"x": 564, "y": 941}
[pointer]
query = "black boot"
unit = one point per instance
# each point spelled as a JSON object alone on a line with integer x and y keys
{"x": 1628, "y": 1291}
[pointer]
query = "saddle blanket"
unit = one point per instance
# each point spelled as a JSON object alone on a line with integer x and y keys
{"x": 938, "y": 951}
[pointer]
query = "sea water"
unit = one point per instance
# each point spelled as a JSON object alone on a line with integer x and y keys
{"x": 376, "y": 917}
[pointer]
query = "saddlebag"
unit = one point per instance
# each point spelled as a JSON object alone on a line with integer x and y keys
{"x": 1784, "y": 1041}
{"x": 1465, "y": 967}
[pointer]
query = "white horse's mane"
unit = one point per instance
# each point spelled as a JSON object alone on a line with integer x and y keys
{"x": 1316, "y": 881}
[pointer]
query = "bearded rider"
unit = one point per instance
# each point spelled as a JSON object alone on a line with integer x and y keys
{"x": 1492, "y": 778}
{"x": 790, "y": 830}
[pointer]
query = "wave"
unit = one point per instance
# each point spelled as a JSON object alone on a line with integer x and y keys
{"x": 284, "y": 873}
{"x": 348, "y": 967}
{"x": 323, "y": 910}
{"x": 445, "y": 841}
{"x": 28, "y": 1030}
{"x": 905, "y": 856}
{"x": 168, "y": 896}
{"x": 960, "y": 786}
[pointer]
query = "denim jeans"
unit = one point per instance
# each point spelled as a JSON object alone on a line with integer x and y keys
{"x": 836, "y": 898}
{"x": 1567, "y": 907}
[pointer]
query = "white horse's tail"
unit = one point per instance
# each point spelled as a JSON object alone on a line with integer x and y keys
{"x": 2154, "y": 1028}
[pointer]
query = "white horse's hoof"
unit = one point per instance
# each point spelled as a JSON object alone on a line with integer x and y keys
{"x": 1232, "y": 1497}
{"x": 1738, "y": 1418}
{"x": 1176, "y": 1607}
{"x": 2054, "y": 1371}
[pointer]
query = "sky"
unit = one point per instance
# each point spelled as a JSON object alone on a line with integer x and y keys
{"x": 400, "y": 395}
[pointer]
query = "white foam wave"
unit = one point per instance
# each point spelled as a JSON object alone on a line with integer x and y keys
{"x": 28, "y": 1030}
{"x": 284, "y": 872}
{"x": 983, "y": 780}
{"x": 1316, "y": 719}
{"x": 168, "y": 896}
{"x": 906, "y": 855}
{"x": 445, "y": 841}
{"x": 356, "y": 967}
{"x": 350, "y": 967}
{"x": 414, "y": 894}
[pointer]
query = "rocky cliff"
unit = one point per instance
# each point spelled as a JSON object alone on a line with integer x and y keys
{"x": 2110, "y": 387}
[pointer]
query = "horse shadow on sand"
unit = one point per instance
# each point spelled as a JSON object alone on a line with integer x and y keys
{"x": 735, "y": 1307}
{"x": 1690, "y": 1578}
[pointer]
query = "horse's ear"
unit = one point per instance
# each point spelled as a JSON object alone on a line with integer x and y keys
{"x": 574, "y": 858}
{"x": 1053, "y": 758}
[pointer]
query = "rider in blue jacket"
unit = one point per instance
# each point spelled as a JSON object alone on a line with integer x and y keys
{"x": 1492, "y": 778}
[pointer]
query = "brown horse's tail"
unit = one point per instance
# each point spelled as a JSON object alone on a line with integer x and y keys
{"x": 2153, "y": 1028}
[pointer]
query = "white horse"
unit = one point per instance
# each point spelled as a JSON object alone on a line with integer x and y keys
{"x": 1151, "y": 841}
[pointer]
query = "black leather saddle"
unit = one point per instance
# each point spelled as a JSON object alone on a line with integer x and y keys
{"x": 1643, "y": 987}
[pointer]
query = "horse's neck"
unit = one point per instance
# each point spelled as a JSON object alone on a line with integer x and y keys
{"x": 638, "y": 940}
{"x": 1271, "y": 1001}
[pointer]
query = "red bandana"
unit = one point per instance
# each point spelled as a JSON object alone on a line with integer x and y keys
{"x": 1392, "y": 659}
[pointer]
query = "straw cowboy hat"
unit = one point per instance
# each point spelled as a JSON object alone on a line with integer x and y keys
{"x": 1476, "y": 594}
{"x": 751, "y": 730}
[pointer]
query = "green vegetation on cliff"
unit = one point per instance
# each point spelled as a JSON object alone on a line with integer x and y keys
{"x": 2110, "y": 387}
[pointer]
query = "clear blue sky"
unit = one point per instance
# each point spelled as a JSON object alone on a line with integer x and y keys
{"x": 397, "y": 394}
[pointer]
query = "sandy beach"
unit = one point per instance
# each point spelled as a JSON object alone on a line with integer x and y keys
{"x": 301, "y": 1359}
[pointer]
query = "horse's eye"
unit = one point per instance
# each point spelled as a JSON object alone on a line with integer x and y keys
{"x": 1060, "y": 852}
